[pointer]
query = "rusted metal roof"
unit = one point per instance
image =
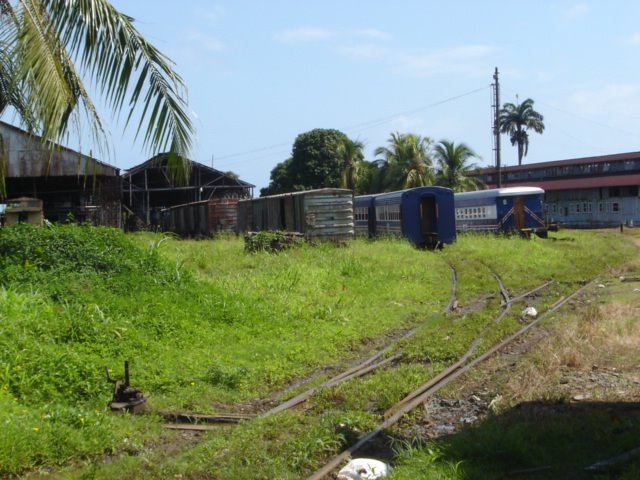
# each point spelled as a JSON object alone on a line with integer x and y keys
{"x": 617, "y": 157}
{"x": 575, "y": 183}
{"x": 160, "y": 161}
{"x": 27, "y": 157}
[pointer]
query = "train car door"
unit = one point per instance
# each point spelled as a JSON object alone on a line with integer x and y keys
{"x": 428, "y": 214}
{"x": 518, "y": 212}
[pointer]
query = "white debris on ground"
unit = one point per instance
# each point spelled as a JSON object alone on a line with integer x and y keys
{"x": 364, "y": 469}
{"x": 530, "y": 312}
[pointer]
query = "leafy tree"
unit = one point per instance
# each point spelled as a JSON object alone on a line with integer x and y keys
{"x": 280, "y": 182}
{"x": 48, "y": 46}
{"x": 454, "y": 166}
{"x": 317, "y": 161}
{"x": 516, "y": 119}
{"x": 406, "y": 161}
{"x": 350, "y": 152}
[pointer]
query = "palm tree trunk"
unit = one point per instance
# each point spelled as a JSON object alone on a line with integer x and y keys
{"x": 520, "y": 153}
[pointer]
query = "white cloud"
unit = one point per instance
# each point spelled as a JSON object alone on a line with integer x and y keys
{"x": 608, "y": 102}
{"x": 372, "y": 33}
{"x": 211, "y": 14}
{"x": 460, "y": 59}
{"x": 635, "y": 38}
{"x": 578, "y": 10}
{"x": 305, "y": 34}
{"x": 404, "y": 123}
{"x": 206, "y": 41}
{"x": 367, "y": 51}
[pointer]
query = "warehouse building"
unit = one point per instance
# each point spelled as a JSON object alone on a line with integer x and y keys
{"x": 590, "y": 192}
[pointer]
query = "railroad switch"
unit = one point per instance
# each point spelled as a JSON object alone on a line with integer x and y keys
{"x": 126, "y": 397}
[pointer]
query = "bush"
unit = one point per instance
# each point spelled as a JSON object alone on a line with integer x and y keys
{"x": 270, "y": 241}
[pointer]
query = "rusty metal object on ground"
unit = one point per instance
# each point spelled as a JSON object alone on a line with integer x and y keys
{"x": 126, "y": 397}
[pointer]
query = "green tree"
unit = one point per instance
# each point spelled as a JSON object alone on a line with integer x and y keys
{"x": 317, "y": 161}
{"x": 350, "y": 152}
{"x": 516, "y": 119}
{"x": 280, "y": 180}
{"x": 406, "y": 161}
{"x": 453, "y": 166}
{"x": 53, "y": 44}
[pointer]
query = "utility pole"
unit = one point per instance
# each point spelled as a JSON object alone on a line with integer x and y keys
{"x": 496, "y": 125}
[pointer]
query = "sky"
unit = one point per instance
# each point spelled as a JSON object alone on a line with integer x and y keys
{"x": 259, "y": 73}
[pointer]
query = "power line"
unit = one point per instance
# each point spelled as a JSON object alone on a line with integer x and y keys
{"x": 383, "y": 120}
{"x": 363, "y": 125}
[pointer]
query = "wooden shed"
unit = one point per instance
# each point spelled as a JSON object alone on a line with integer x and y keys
{"x": 323, "y": 214}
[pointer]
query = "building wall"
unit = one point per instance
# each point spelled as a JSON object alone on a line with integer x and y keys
{"x": 589, "y": 192}
{"x": 70, "y": 184}
{"x": 594, "y": 208}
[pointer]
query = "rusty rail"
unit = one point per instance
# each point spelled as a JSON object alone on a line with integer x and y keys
{"x": 472, "y": 348}
{"x": 416, "y": 400}
{"x": 366, "y": 366}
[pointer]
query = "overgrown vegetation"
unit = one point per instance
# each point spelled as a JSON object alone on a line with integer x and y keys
{"x": 208, "y": 327}
{"x": 271, "y": 241}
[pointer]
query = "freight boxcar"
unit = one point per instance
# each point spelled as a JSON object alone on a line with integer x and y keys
{"x": 201, "y": 219}
{"x": 322, "y": 214}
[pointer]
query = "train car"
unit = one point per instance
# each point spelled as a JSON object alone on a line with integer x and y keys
{"x": 201, "y": 219}
{"x": 423, "y": 215}
{"x": 513, "y": 209}
{"x": 322, "y": 214}
{"x": 364, "y": 215}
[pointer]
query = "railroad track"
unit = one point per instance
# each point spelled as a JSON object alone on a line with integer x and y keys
{"x": 422, "y": 393}
{"x": 378, "y": 360}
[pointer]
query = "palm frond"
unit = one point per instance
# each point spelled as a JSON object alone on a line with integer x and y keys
{"x": 51, "y": 37}
{"x": 114, "y": 53}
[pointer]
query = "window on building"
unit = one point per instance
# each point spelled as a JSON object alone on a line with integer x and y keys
{"x": 615, "y": 207}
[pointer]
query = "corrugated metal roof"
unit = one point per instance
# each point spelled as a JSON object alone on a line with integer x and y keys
{"x": 162, "y": 158}
{"x": 28, "y": 158}
{"x": 617, "y": 157}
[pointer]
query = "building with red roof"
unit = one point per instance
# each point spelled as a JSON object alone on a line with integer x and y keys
{"x": 588, "y": 192}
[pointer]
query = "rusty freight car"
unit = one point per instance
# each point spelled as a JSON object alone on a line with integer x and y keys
{"x": 201, "y": 219}
{"x": 323, "y": 214}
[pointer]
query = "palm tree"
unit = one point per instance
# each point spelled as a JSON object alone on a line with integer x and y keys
{"x": 350, "y": 153}
{"x": 52, "y": 44}
{"x": 454, "y": 166}
{"x": 407, "y": 161}
{"x": 516, "y": 119}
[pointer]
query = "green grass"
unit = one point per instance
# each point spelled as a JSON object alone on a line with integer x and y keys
{"x": 208, "y": 326}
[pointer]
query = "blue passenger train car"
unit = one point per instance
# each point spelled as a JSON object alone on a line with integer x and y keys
{"x": 423, "y": 215}
{"x": 364, "y": 215}
{"x": 514, "y": 209}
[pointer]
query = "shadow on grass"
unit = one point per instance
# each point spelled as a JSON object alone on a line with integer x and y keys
{"x": 545, "y": 440}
